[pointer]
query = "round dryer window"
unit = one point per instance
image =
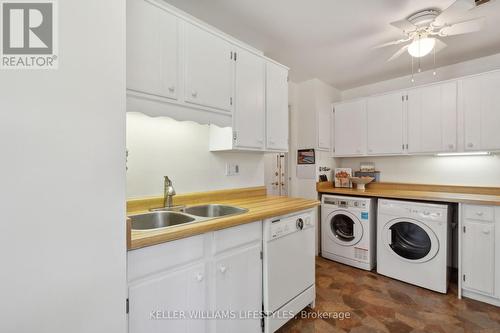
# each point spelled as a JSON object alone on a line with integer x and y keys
{"x": 345, "y": 228}
{"x": 411, "y": 240}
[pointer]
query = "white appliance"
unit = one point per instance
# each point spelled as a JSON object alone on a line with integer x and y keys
{"x": 289, "y": 267}
{"x": 414, "y": 243}
{"x": 348, "y": 230}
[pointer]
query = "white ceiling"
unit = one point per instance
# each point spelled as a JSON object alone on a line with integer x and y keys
{"x": 332, "y": 39}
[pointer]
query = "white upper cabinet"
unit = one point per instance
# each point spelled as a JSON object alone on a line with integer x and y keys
{"x": 480, "y": 101}
{"x": 208, "y": 69}
{"x": 385, "y": 124}
{"x": 350, "y": 128}
{"x": 152, "y": 49}
{"x": 250, "y": 101}
{"x": 314, "y": 113}
{"x": 325, "y": 127}
{"x": 432, "y": 119}
{"x": 276, "y": 107}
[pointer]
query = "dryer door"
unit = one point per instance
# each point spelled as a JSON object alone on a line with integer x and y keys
{"x": 410, "y": 240}
{"x": 344, "y": 228}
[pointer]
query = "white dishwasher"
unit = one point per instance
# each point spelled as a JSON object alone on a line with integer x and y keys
{"x": 289, "y": 266}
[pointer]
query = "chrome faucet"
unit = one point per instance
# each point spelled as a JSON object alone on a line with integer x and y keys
{"x": 168, "y": 193}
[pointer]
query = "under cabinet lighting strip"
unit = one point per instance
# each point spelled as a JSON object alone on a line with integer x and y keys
{"x": 473, "y": 153}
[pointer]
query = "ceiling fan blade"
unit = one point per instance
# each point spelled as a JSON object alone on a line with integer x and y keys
{"x": 453, "y": 13}
{"x": 464, "y": 27}
{"x": 398, "y": 54}
{"x": 394, "y": 42}
{"x": 440, "y": 45}
{"x": 404, "y": 25}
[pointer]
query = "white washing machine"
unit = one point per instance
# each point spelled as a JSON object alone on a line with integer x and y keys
{"x": 348, "y": 230}
{"x": 413, "y": 242}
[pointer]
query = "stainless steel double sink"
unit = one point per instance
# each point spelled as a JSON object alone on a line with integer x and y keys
{"x": 168, "y": 218}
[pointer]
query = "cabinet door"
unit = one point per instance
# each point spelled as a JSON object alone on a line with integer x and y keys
{"x": 481, "y": 105}
{"x": 385, "y": 124}
{"x": 238, "y": 288}
{"x": 324, "y": 126}
{"x": 152, "y": 49}
{"x": 432, "y": 119}
{"x": 276, "y": 107}
{"x": 478, "y": 255}
{"x": 208, "y": 69}
{"x": 350, "y": 128}
{"x": 181, "y": 290}
{"x": 249, "y": 113}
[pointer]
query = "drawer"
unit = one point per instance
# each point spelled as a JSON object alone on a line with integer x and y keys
{"x": 237, "y": 236}
{"x": 158, "y": 258}
{"x": 479, "y": 213}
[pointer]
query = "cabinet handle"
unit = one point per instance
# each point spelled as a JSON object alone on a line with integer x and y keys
{"x": 171, "y": 89}
{"x": 194, "y": 93}
{"x": 199, "y": 277}
{"x": 486, "y": 231}
{"x": 479, "y": 213}
{"x": 451, "y": 146}
{"x": 223, "y": 269}
{"x": 260, "y": 141}
{"x": 470, "y": 145}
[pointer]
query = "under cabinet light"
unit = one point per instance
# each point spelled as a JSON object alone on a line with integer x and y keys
{"x": 472, "y": 153}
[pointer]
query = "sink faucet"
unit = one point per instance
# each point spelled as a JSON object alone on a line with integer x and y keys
{"x": 168, "y": 193}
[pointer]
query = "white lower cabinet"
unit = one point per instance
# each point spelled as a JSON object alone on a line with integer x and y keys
{"x": 480, "y": 260}
{"x": 178, "y": 285}
{"x": 153, "y": 302}
{"x": 238, "y": 288}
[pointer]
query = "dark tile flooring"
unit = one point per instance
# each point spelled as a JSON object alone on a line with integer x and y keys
{"x": 380, "y": 304}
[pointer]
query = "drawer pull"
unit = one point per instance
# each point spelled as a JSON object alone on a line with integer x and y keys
{"x": 199, "y": 277}
{"x": 479, "y": 213}
{"x": 486, "y": 231}
{"x": 223, "y": 269}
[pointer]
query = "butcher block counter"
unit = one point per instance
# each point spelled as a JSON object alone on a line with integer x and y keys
{"x": 260, "y": 206}
{"x": 423, "y": 192}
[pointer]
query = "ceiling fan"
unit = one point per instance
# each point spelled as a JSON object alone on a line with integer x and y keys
{"x": 425, "y": 29}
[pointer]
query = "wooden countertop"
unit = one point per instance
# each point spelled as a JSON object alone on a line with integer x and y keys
{"x": 260, "y": 206}
{"x": 440, "y": 193}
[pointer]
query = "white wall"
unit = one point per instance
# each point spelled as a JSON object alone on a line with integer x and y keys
{"x": 474, "y": 171}
{"x": 165, "y": 147}
{"x": 62, "y": 193}
{"x": 463, "y": 170}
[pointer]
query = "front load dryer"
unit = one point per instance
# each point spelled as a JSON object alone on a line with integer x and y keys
{"x": 414, "y": 242}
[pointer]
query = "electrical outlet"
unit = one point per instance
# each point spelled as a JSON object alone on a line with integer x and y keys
{"x": 232, "y": 169}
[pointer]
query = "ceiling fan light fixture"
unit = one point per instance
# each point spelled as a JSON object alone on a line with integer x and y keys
{"x": 421, "y": 47}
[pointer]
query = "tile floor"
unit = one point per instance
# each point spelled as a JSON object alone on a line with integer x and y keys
{"x": 379, "y": 304}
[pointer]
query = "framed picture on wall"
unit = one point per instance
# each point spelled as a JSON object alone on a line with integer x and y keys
{"x": 306, "y": 156}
